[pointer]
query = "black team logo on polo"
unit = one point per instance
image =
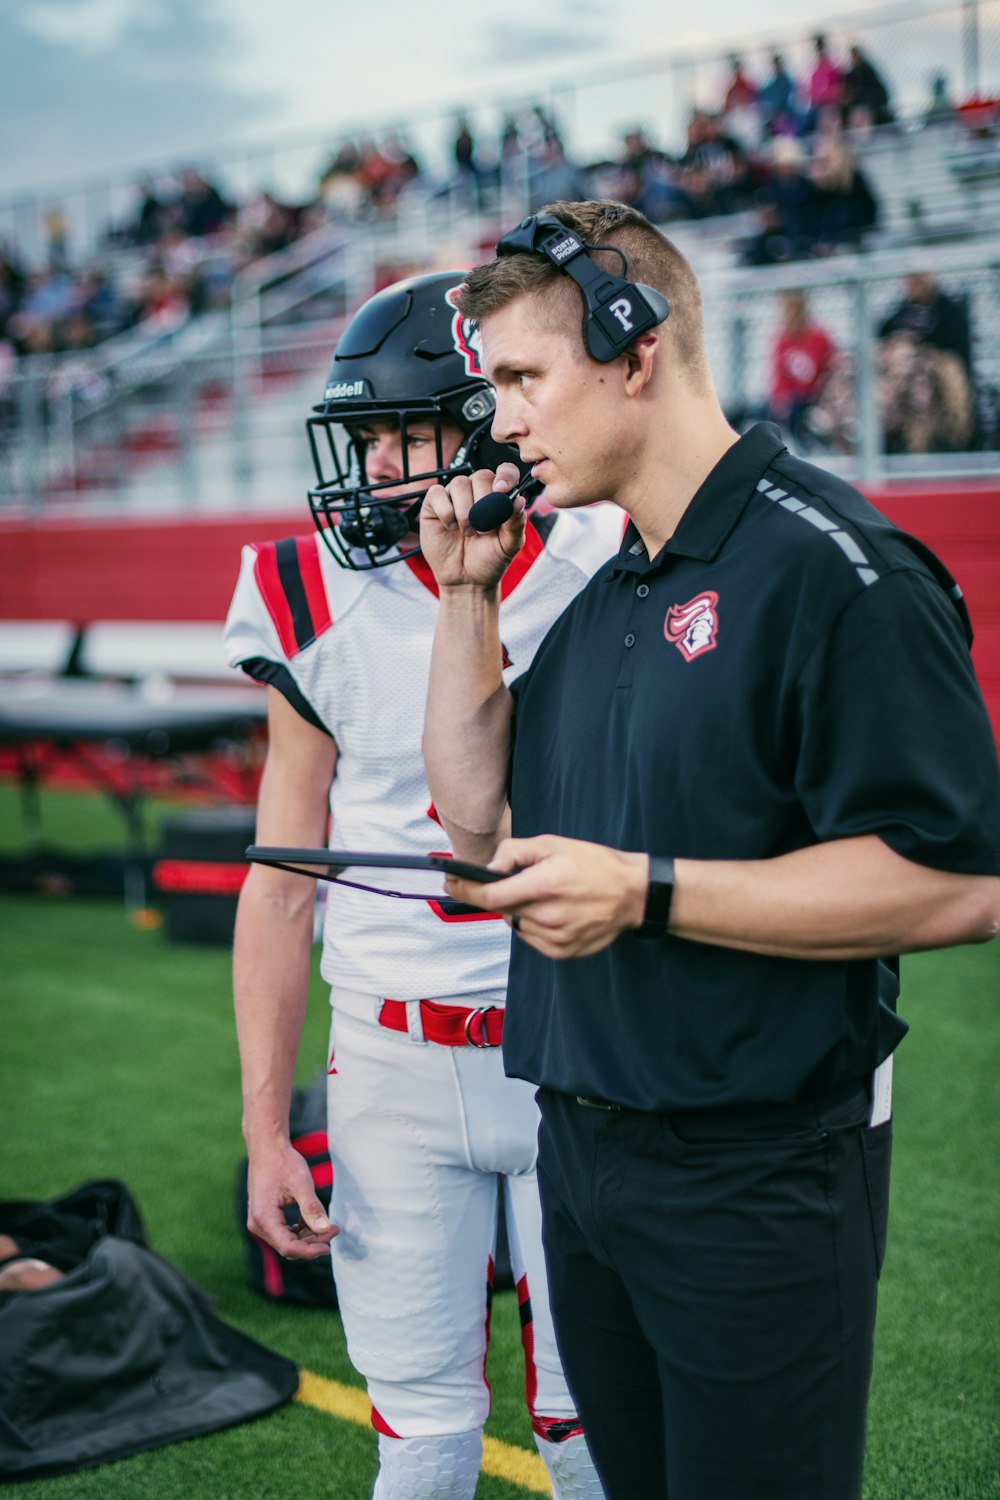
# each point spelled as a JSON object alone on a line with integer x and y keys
{"x": 694, "y": 627}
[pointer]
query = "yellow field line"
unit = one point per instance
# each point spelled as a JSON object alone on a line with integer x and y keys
{"x": 502, "y": 1460}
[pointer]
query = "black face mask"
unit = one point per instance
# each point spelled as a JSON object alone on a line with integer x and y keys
{"x": 375, "y": 529}
{"x": 363, "y": 522}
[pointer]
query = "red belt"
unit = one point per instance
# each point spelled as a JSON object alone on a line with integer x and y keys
{"x": 448, "y": 1025}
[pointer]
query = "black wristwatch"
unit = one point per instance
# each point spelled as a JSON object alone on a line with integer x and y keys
{"x": 658, "y": 896}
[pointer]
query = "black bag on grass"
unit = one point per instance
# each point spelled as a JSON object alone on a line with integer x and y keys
{"x": 309, "y": 1283}
{"x": 121, "y": 1355}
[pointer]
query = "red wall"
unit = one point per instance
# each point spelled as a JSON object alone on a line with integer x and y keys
{"x": 962, "y": 525}
{"x": 128, "y": 568}
{"x": 181, "y": 569}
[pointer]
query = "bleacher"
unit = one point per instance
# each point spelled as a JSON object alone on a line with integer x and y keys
{"x": 209, "y": 414}
{"x": 936, "y": 185}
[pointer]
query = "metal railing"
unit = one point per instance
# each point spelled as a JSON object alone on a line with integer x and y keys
{"x": 224, "y": 425}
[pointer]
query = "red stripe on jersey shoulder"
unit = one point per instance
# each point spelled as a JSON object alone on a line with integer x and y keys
{"x": 290, "y": 580}
{"x": 312, "y": 581}
{"x": 523, "y": 562}
{"x": 528, "y": 555}
{"x": 265, "y": 571}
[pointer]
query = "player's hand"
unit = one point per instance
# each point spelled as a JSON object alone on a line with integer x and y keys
{"x": 280, "y": 1179}
{"x": 459, "y": 555}
{"x": 569, "y": 898}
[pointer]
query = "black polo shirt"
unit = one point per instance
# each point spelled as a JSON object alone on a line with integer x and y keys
{"x": 790, "y": 669}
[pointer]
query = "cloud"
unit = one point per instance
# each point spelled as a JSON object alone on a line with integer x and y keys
{"x": 528, "y": 45}
{"x": 573, "y": 9}
{"x": 89, "y": 24}
{"x": 108, "y": 95}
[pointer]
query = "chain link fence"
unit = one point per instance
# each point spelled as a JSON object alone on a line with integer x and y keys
{"x": 830, "y": 352}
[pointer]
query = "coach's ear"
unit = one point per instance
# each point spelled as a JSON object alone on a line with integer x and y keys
{"x": 639, "y": 362}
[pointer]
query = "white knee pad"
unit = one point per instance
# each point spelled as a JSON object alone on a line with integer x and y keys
{"x": 571, "y": 1468}
{"x": 444, "y": 1467}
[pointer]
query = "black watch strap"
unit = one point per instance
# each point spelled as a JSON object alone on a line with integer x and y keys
{"x": 658, "y": 896}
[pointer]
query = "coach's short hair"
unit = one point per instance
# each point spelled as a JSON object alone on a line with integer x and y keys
{"x": 652, "y": 259}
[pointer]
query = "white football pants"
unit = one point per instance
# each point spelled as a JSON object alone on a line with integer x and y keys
{"x": 421, "y": 1137}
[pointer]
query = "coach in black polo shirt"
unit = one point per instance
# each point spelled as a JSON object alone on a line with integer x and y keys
{"x": 748, "y": 765}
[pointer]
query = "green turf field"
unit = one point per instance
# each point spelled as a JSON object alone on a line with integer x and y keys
{"x": 118, "y": 1058}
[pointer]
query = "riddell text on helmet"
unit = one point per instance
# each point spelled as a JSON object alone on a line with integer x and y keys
{"x": 345, "y": 389}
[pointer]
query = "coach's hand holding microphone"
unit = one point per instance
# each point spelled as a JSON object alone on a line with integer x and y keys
{"x": 471, "y": 529}
{"x": 489, "y": 513}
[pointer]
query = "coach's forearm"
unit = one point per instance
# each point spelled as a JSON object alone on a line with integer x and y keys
{"x": 855, "y": 898}
{"x": 468, "y": 722}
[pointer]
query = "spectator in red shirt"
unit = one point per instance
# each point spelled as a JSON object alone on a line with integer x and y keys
{"x": 739, "y": 105}
{"x": 800, "y": 364}
{"x": 741, "y": 91}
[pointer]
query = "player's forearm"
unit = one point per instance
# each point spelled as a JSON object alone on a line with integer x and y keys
{"x": 855, "y": 898}
{"x": 271, "y": 956}
{"x": 468, "y": 722}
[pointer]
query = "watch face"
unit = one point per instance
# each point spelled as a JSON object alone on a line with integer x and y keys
{"x": 660, "y": 891}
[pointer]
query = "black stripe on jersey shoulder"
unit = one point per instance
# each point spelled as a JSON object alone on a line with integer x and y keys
{"x": 277, "y": 675}
{"x": 290, "y": 573}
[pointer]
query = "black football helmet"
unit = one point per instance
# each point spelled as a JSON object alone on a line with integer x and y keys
{"x": 407, "y": 357}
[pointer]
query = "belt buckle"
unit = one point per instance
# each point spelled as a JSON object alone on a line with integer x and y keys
{"x": 483, "y": 1012}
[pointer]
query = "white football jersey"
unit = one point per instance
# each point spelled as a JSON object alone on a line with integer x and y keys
{"x": 351, "y": 652}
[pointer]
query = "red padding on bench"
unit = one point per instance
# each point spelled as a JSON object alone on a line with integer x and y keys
{"x": 198, "y": 876}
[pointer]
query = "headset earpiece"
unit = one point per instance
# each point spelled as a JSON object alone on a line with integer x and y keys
{"x": 616, "y": 311}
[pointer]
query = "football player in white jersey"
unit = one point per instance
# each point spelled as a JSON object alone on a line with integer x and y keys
{"x": 425, "y": 1129}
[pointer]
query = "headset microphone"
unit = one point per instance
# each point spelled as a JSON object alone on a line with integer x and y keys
{"x": 489, "y": 513}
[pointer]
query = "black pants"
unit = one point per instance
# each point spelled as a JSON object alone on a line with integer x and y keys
{"x": 713, "y": 1282}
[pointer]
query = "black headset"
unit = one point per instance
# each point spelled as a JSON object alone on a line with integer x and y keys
{"x": 616, "y": 311}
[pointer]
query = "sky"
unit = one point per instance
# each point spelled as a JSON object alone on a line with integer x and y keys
{"x": 109, "y": 86}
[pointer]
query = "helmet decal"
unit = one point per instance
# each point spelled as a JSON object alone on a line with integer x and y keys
{"x": 465, "y": 334}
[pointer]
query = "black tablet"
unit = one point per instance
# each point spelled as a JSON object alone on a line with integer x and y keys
{"x": 327, "y": 864}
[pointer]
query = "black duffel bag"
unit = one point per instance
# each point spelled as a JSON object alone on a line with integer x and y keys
{"x": 306, "y": 1282}
{"x": 122, "y": 1353}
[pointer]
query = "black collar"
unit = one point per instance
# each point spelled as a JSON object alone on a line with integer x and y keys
{"x": 716, "y": 506}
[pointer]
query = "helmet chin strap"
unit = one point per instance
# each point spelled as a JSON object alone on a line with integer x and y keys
{"x": 381, "y": 528}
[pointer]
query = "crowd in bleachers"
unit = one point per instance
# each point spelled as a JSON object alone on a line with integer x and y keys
{"x": 776, "y": 145}
{"x": 173, "y": 258}
{"x": 778, "y": 151}
{"x": 780, "y": 146}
